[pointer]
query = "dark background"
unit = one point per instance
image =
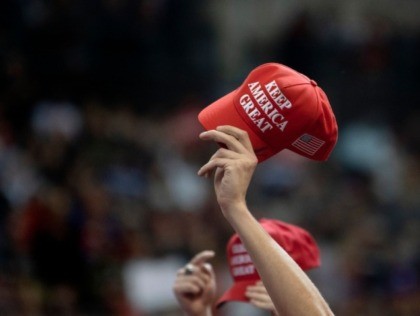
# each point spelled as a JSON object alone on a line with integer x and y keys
{"x": 99, "y": 148}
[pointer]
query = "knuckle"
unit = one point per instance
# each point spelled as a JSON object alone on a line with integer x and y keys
{"x": 232, "y": 138}
{"x": 242, "y": 134}
{"x": 253, "y": 161}
{"x": 223, "y": 151}
{"x": 219, "y": 152}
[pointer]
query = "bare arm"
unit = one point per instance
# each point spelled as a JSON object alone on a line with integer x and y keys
{"x": 290, "y": 289}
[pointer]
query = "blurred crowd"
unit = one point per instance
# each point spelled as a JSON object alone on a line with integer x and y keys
{"x": 99, "y": 198}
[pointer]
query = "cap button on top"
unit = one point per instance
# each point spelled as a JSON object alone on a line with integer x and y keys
{"x": 313, "y": 82}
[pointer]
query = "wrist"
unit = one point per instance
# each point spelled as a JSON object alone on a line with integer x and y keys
{"x": 235, "y": 212}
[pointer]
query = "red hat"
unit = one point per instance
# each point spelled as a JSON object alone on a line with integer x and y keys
{"x": 279, "y": 108}
{"x": 296, "y": 241}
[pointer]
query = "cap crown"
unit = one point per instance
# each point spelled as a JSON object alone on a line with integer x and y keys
{"x": 287, "y": 110}
{"x": 297, "y": 242}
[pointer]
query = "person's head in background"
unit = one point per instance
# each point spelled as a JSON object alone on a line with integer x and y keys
{"x": 247, "y": 286}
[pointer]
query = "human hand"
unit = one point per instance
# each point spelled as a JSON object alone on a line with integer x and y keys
{"x": 195, "y": 285}
{"x": 233, "y": 166}
{"x": 258, "y": 296}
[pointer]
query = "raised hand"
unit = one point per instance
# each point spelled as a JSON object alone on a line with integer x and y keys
{"x": 195, "y": 285}
{"x": 233, "y": 165}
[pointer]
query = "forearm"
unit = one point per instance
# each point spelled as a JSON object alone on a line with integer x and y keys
{"x": 290, "y": 289}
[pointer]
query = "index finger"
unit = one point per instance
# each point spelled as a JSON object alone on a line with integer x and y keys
{"x": 230, "y": 141}
{"x": 202, "y": 257}
{"x": 241, "y": 135}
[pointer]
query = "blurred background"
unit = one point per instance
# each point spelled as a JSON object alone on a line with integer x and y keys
{"x": 99, "y": 199}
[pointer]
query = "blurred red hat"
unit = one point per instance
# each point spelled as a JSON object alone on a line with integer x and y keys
{"x": 279, "y": 108}
{"x": 296, "y": 241}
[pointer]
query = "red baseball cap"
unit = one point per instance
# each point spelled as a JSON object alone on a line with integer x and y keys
{"x": 279, "y": 108}
{"x": 296, "y": 241}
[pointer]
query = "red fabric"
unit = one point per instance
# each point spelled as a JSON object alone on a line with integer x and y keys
{"x": 279, "y": 108}
{"x": 296, "y": 241}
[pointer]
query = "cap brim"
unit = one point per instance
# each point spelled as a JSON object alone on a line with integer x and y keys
{"x": 223, "y": 112}
{"x": 235, "y": 293}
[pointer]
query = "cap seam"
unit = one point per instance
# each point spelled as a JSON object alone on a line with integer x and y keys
{"x": 296, "y": 84}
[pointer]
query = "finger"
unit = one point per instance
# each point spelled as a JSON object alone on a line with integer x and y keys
{"x": 220, "y": 153}
{"x": 259, "y": 298}
{"x": 262, "y": 305}
{"x": 262, "y": 297}
{"x": 212, "y": 165}
{"x": 186, "y": 288}
{"x": 209, "y": 269}
{"x": 207, "y": 174}
{"x": 257, "y": 289}
{"x": 202, "y": 257}
{"x": 241, "y": 135}
{"x": 180, "y": 272}
{"x": 199, "y": 281}
{"x": 189, "y": 269}
{"x": 225, "y": 153}
{"x": 206, "y": 274}
{"x": 230, "y": 141}
{"x": 257, "y": 295}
